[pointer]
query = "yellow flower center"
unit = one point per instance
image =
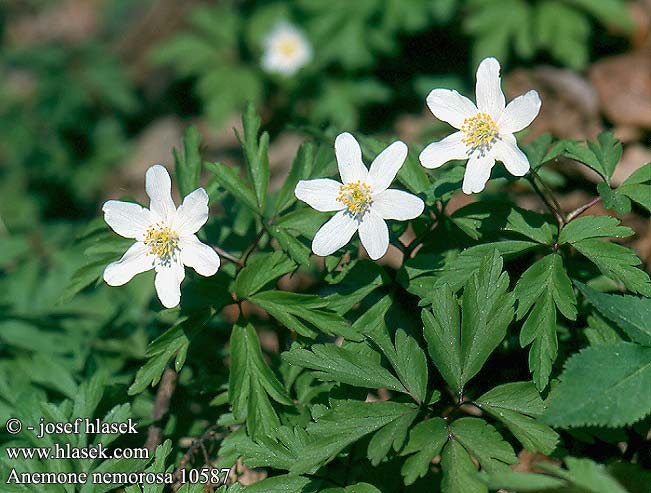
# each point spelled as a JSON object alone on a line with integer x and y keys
{"x": 481, "y": 132}
{"x": 162, "y": 241}
{"x": 356, "y": 196}
{"x": 288, "y": 47}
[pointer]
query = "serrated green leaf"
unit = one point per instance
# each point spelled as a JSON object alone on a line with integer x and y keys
{"x": 484, "y": 443}
{"x": 585, "y": 227}
{"x": 255, "y": 152}
{"x": 392, "y": 435}
{"x": 345, "y": 423}
{"x": 630, "y": 313}
{"x": 617, "y": 262}
{"x": 304, "y": 313}
{"x": 614, "y": 200}
{"x": 261, "y": 270}
{"x": 187, "y": 166}
{"x": 333, "y": 363}
{"x": 586, "y": 475}
{"x": 426, "y": 440}
{"x": 602, "y": 156}
{"x": 252, "y": 382}
{"x": 459, "y": 471}
{"x": 604, "y": 385}
{"x": 459, "y": 350}
{"x": 516, "y": 405}
{"x": 230, "y": 180}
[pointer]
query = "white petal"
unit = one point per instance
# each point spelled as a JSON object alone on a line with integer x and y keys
{"x": 128, "y": 219}
{"x": 334, "y": 234}
{"x": 519, "y": 113}
{"x": 490, "y": 98}
{"x": 192, "y": 213}
{"x": 477, "y": 173}
{"x": 349, "y": 158}
{"x": 320, "y": 194}
{"x": 134, "y": 261}
{"x": 168, "y": 283}
{"x": 199, "y": 256}
{"x": 450, "y": 106}
{"x": 159, "y": 189}
{"x": 374, "y": 234}
{"x": 397, "y": 204}
{"x": 386, "y": 165}
{"x": 438, "y": 153}
{"x": 506, "y": 150}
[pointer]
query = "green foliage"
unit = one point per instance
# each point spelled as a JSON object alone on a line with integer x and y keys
{"x": 602, "y": 386}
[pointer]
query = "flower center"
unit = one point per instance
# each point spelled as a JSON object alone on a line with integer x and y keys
{"x": 356, "y": 196}
{"x": 288, "y": 47}
{"x": 162, "y": 241}
{"x": 481, "y": 132}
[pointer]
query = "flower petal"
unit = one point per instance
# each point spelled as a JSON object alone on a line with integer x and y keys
{"x": 128, "y": 219}
{"x": 386, "y": 165}
{"x": 374, "y": 234}
{"x": 199, "y": 256}
{"x": 334, "y": 234}
{"x": 320, "y": 194}
{"x": 450, "y": 106}
{"x": 477, "y": 173}
{"x": 506, "y": 150}
{"x": 159, "y": 189}
{"x": 438, "y": 153}
{"x": 519, "y": 113}
{"x": 490, "y": 98}
{"x": 397, "y": 204}
{"x": 349, "y": 158}
{"x": 192, "y": 213}
{"x": 134, "y": 261}
{"x": 168, "y": 283}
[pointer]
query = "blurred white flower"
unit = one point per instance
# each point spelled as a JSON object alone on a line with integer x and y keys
{"x": 485, "y": 131}
{"x": 363, "y": 201}
{"x": 286, "y": 50}
{"x": 165, "y": 237}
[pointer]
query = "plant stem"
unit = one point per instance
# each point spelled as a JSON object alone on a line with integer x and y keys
{"x": 580, "y": 210}
{"x": 224, "y": 254}
{"x": 556, "y": 212}
{"x": 161, "y": 407}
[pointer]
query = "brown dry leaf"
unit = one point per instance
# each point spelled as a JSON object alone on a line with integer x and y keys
{"x": 623, "y": 83}
{"x": 570, "y": 108}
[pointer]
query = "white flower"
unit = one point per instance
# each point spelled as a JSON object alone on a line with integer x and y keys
{"x": 486, "y": 130}
{"x": 286, "y": 50}
{"x": 165, "y": 237}
{"x": 364, "y": 200}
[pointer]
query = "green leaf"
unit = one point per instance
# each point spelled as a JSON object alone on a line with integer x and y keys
{"x": 517, "y": 405}
{"x": 586, "y": 227}
{"x": 252, "y": 382}
{"x": 484, "y": 443}
{"x": 345, "y": 423}
{"x": 459, "y": 350}
{"x": 187, "y": 166}
{"x": 637, "y": 187}
{"x": 459, "y": 471}
{"x": 304, "y": 313}
{"x": 545, "y": 286}
{"x": 603, "y": 385}
{"x": 522, "y": 482}
{"x": 392, "y": 435}
{"x": 614, "y": 200}
{"x": 261, "y": 270}
{"x": 602, "y": 156}
{"x": 426, "y": 440}
{"x": 255, "y": 152}
{"x": 301, "y": 168}
{"x": 586, "y": 475}
{"x": 283, "y": 483}
{"x": 630, "y": 313}
{"x": 230, "y": 180}
{"x": 175, "y": 340}
{"x": 333, "y": 363}
{"x": 617, "y": 262}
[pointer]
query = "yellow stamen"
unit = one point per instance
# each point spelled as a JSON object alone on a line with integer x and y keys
{"x": 288, "y": 47}
{"x": 356, "y": 196}
{"x": 481, "y": 132}
{"x": 162, "y": 241}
